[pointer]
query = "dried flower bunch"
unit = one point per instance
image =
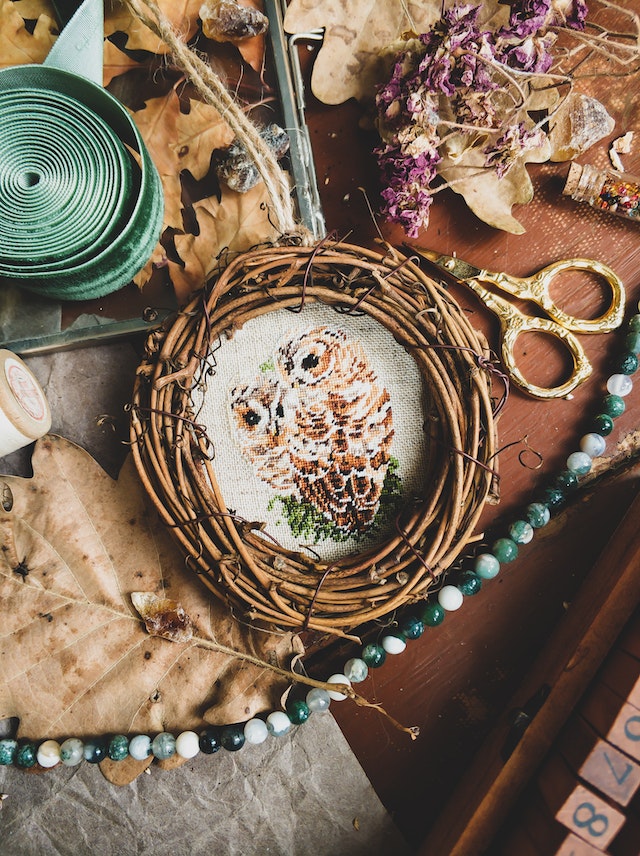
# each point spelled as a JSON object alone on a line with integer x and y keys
{"x": 458, "y": 107}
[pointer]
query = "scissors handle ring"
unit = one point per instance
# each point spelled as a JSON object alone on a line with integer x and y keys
{"x": 609, "y": 320}
{"x": 524, "y": 324}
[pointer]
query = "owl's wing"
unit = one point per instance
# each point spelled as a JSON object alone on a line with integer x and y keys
{"x": 339, "y": 453}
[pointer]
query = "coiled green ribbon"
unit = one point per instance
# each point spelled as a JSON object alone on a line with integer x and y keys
{"x": 81, "y": 204}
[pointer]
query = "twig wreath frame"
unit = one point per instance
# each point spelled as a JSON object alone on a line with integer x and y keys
{"x": 173, "y": 454}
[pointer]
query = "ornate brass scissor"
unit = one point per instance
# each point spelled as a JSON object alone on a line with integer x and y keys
{"x": 535, "y": 288}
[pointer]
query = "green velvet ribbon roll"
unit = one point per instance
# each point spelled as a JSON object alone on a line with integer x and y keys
{"x": 81, "y": 204}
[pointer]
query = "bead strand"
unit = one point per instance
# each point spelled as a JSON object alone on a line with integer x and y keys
{"x": 449, "y": 598}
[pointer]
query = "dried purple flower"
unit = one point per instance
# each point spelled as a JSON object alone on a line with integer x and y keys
{"x": 407, "y": 178}
{"x": 527, "y": 17}
{"x": 504, "y": 152}
{"x": 569, "y": 13}
{"x": 533, "y": 54}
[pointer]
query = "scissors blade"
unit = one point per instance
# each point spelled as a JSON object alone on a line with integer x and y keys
{"x": 457, "y": 268}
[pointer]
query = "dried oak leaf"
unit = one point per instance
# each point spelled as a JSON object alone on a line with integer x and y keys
{"x": 351, "y": 60}
{"x": 489, "y": 197}
{"x": 75, "y": 657}
{"x": 18, "y": 45}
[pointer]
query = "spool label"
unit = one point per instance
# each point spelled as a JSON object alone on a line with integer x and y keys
{"x": 25, "y": 390}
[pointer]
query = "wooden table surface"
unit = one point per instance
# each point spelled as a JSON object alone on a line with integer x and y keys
{"x": 457, "y": 679}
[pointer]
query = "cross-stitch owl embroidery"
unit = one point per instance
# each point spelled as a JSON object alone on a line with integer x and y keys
{"x": 319, "y": 426}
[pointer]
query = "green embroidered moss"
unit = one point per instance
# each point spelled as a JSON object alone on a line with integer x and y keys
{"x": 305, "y": 521}
{"x": 268, "y": 366}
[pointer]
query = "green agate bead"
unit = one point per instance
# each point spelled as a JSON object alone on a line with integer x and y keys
{"x": 209, "y": 739}
{"x": 627, "y": 364}
{"x": 163, "y": 746}
{"x": 634, "y": 323}
{"x": 374, "y": 655}
{"x": 118, "y": 747}
{"x": 468, "y": 583}
{"x": 298, "y": 711}
{"x": 232, "y": 737}
{"x": 567, "y": 480}
{"x": 412, "y": 627}
{"x": 8, "y": 751}
{"x": 95, "y": 750}
{"x": 632, "y": 342}
{"x": 521, "y": 531}
{"x": 486, "y": 566}
{"x": 613, "y": 405}
{"x": 537, "y": 514}
{"x": 26, "y": 755}
{"x": 505, "y": 550}
{"x": 603, "y": 424}
{"x": 433, "y": 614}
{"x": 553, "y": 497}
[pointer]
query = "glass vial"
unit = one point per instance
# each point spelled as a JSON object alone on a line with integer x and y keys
{"x": 604, "y": 189}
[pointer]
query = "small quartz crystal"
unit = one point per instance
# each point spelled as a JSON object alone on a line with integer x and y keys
{"x": 228, "y": 21}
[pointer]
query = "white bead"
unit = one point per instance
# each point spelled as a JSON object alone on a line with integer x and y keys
{"x": 187, "y": 744}
{"x": 140, "y": 747}
{"x": 579, "y": 463}
{"x": 278, "y": 723}
{"x": 318, "y": 700}
{"x": 619, "y": 384}
{"x": 356, "y": 670}
{"x": 393, "y": 644}
{"x": 338, "y": 679}
{"x": 49, "y": 753}
{"x": 593, "y": 445}
{"x": 256, "y": 731}
{"x": 450, "y": 598}
{"x": 71, "y": 751}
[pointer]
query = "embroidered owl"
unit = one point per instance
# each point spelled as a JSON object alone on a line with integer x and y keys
{"x": 319, "y": 426}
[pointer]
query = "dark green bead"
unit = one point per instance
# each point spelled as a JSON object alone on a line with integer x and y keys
{"x": 8, "y": 750}
{"x": 232, "y": 737}
{"x": 505, "y": 550}
{"x": 96, "y": 750}
{"x": 627, "y": 364}
{"x": 468, "y": 583}
{"x": 209, "y": 740}
{"x": 603, "y": 424}
{"x": 567, "y": 481}
{"x": 412, "y": 627}
{"x": 634, "y": 323}
{"x": 613, "y": 406}
{"x": 374, "y": 655}
{"x": 632, "y": 342}
{"x": 298, "y": 711}
{"x": 27, "y": 755}
{"x": 552, "y": 497}
{"x": 433, "y": 614}
{"x": 118, "y": 747}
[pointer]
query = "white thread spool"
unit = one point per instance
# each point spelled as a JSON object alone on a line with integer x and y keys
{"x": 24, "y": 410}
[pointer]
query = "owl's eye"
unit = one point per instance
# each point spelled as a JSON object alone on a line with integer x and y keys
{"x": 310, "y": 361}
{"x": 251, "y": 417}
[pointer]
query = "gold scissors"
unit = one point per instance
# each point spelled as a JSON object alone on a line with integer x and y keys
{"x": 535, "y": 288}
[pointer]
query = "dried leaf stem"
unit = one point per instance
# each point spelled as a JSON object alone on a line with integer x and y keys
{"x": 294, "y": 677}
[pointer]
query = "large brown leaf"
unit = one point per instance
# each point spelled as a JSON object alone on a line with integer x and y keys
{"x": 75, "y": 657}
{"x": 357, "y": 34}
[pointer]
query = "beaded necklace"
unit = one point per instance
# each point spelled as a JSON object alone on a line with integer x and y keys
{"x": 410, "y": 626}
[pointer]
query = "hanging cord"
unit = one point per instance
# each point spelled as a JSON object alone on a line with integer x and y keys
{"x": 214, "y": 92}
